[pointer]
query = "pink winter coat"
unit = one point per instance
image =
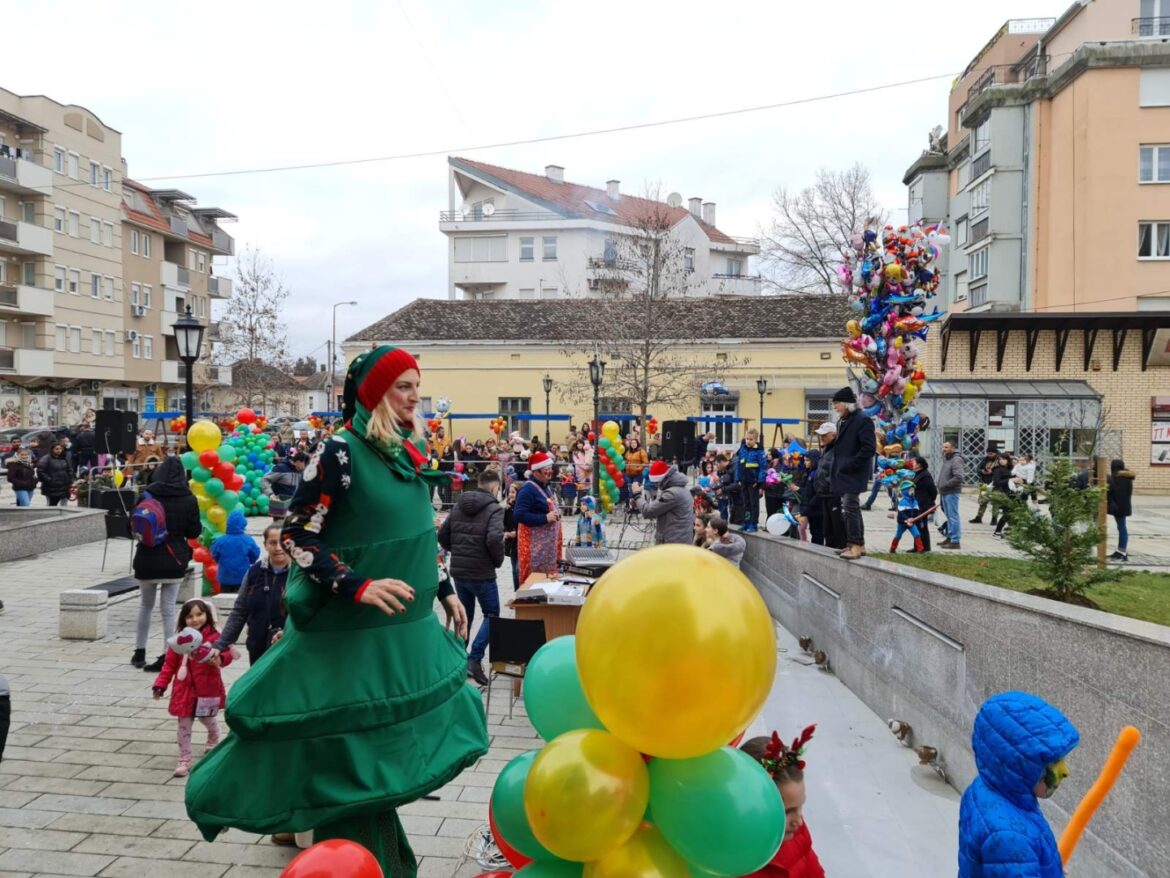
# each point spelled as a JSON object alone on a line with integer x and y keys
{"x": 202, "y": 680}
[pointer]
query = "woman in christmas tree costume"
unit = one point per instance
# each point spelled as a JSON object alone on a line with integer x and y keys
{"x": 363, "y": 705}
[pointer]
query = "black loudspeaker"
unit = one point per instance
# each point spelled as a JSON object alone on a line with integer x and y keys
{"x": 115, "y": 432}
{"x": 678, "y": 441}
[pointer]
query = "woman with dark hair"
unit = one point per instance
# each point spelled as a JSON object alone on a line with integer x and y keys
{"x": 1001, "y": 483}
{"x": 926, "y": 493}
{"x": 55, "y": 475}
{"x": 1119, "y": 499}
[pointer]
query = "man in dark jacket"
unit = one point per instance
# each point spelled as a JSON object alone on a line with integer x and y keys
{"x": 832, "y": 522}
{"x": 85, "y": 449}
{"x": 986, "y": 468}
{"x": 55, "y": 476}
{"x": 926, "y": 493}
{"x": 1119, "y": 500}
{"x": 852, "y": 465}
{"x": 668, "y": 502}
{"x": 474, "y": 535}
{"x": 281, "y": 483}
{"x": 164, "y": 565}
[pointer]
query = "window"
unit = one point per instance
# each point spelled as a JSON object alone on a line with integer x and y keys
{"x": 95, "y": 285}
{"x": 734, "y": 267}
{"x": 108, "y": 288}
{"x": 817, "y": 410}
{"x": 109, "y": 343}
{"x": 59, "y": 278}
{"x": 75, "y": 339}
{"x": 725, "y": 433}
{"x": 146, "y": 295}
{"x": 483, "y": 249}
{"x": 75, "y": 281}
{"x": 964, "y": 175}
{"x": 549, "y": 250}
{"x": 977, "y": 264}
{"x": 74, "y": 163}
{"x": 983, "y": 136}
{"x": 1154, "y": 164}
{"x": 95, "y": 173}
{"x": 136, "y": 347}
{"x": 107, "y": 175}
{"x": 30, "y": 274}
{"x": 527, "y": 292}
{"x": 74, "y": 224}
{"x": 145, "y": 245}
{"x": 135, "y": 293}
{"x": 1154, "y": 240}
{"x": 978, "y": 294}
{"x": 148, "y": 347}
{"x": 201, "y": 261}
{"x": 202, "y": 306}
{"x": 511, "y": 405}
{"x": 108, "y": 234}
{"x": 96, "y": 345}
{"x": 59, "y": 220}
{"x": 95, "y": 230}
{"x": 62, "y": 337}
{"x": 134, "y": 241}
{"x": 981, "y": 197}
{"x": 961, "y": 232}
{"x": 527, "y": 247}
{"x": 58, "y": 160}
{"x": 960, "y": 286}
{"x": 689, "y": 259}
{"x": 191, "y": 260}
{"x": 28, "y": 212}
{"x": 548, "y": 292}
{"x": 980, "y": 230}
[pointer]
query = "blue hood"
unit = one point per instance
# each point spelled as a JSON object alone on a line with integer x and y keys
{"x": 237, "y": 522}
{"x": 1016, "y": 735}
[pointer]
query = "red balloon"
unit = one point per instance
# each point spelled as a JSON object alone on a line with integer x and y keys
{"x": 592, "y": 437}
{"x": 735, "y": 741}
{"x": 211, "y": 571}
{"x": 202, "y": 555}
{"x": 208, "y": 459}
{"x": 335, "y": 858}
{"x": 194, "y": 543}
{"x": 224, "y": 471}
{"x": 619, "y": 480}
{"x": 246, "y": 416}
{"x": 237, "y": 482}
{"x": 498, "y": 873}
{"x": 512, "y": 855}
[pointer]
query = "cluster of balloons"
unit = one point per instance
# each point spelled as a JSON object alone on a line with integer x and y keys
{"x": 498, "y": 426}
{"x": 635, "y": 778}
{"x": 254, "y": 456}
{"x": 890, "y": 275}
{"x": 652, "y": 426}
{"x": 316, "y": 422}
{"x": 179, "y": 425}
{"x": 610, "y": 454}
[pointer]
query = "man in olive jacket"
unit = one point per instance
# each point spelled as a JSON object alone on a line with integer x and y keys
{"x": 950, "y": 486}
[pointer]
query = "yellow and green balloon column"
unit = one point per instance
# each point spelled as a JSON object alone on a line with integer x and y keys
{"x": 611, "y": 473}
{"x": 637, "y": 778}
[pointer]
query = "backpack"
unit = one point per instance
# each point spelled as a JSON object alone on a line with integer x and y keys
{"x": 148, "y": 522}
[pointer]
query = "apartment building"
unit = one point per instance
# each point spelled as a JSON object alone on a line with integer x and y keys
{"x": 73, "y": 337}
{"x": 515, "y": 235}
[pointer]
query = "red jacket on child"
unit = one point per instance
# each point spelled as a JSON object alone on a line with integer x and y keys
{"x": 795, "y": 859}
{"x": 202, "y": 680}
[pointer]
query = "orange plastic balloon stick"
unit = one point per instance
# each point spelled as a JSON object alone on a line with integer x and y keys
{"x": 1126, "y": 741}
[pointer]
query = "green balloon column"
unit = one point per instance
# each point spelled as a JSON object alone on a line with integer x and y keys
{"x": 224, "y": 476}
{"x": 611, "y": 473}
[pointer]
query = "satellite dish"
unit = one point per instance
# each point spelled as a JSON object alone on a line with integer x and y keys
{"x": 489, "y": 209}
{"x": 674, "y": 199}
{"x": 467, "y": 207}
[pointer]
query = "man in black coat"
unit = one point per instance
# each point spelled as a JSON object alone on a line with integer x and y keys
{"x": 163, "y": 566}
{"x": 852, "y": 465}
{"x": 926, "y": 493}
{"x": 474, "y": 535}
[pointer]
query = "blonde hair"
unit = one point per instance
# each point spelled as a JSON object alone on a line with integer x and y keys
{"x": 383, "y": 426}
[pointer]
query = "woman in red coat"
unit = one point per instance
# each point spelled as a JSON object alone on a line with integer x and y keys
{"x": 198, "y": 691}
{"x": 796, "y": 857}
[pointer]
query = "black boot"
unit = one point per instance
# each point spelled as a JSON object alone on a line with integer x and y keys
{"x": 139, "y": 658}
{"x": 155, "y": 666}
{"x": 475, "y": 671}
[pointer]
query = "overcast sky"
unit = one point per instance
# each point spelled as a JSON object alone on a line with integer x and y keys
{"x": 220, "y": 86}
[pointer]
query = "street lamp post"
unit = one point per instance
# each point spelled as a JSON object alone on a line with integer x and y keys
{"x": 596, "y": 376}
{"x": 333, "y": 353}
{"x": 188, "y": 341}
{"x": 548, "y": 386}
{"x": 762, "y": 387}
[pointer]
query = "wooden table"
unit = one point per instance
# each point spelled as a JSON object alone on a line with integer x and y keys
{"x": 559, "y": 619}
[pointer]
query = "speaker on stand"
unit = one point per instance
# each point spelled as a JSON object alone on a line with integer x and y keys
{"x": 115, "y": 432}
{"x": 678, "y": 442}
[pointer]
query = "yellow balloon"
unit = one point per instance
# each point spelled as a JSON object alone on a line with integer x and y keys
{"x": 216, "y": 515}
{"x": 197, "y": 488}
{"x": 676, "y": 651}
{"x": 646, "y": 855}
{"x": 205, "y": 504}
{"x": 203, "y": 436}
{"x": 586, "y": 794}
{"x": 611, "y": 431}
{"x": 119, "y": 478}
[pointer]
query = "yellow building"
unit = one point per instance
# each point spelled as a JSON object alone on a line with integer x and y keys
{"x": 491, "y": 358}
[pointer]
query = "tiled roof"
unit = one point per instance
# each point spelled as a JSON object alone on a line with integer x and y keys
{"x": 320, "y": 380}
{"x": 732, "y": 317}
{"x": 573, "y": 199}
{"x": 253, "y": 373}
{"x": 154, "y": 218}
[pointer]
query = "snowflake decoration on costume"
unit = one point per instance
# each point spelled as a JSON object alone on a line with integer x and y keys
{"x": 303, "y": 557}
{"x": 345, "y": 480}
{"x": 310, "y": 472}
{"x": 342, "y": 457}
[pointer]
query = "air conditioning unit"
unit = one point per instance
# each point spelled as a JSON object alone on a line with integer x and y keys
{"x": 138, "y": 310}
{"x": 595, "y": 283}
{"x": 131, "y": 335}
{"x": 95, "y": 386}
{"x": 151, "y": 388}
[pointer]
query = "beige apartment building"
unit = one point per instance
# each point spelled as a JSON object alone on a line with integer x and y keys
{"x": 72, "y": 338}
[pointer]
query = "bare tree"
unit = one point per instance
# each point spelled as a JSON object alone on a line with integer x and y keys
{"x": 305, "y": 367}
{"x": 254, "y": 316}
{"x": 643, "y": 286}
{"x": 801, "y": 247}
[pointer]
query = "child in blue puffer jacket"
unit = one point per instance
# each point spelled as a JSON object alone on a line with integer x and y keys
{"x": 1020, "y": 743}
{"x": 751, "y": 466}
{"x": 234, "y": 552}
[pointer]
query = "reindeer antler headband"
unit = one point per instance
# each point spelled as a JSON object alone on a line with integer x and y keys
{"x": 778, "y": 757}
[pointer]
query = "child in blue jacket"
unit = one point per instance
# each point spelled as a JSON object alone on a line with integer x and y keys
{"x": 751, "y": 467}
{"x": 234, "y": 552}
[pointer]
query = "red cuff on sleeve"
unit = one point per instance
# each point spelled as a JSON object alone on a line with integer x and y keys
{"x": 357, "y": 595}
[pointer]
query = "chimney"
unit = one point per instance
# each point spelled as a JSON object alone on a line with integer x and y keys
{"x": 611, "y": 188}
{"x": 695, "y": 205}
{"x": 709, "y": 212}
{"x": 555, "y": 173}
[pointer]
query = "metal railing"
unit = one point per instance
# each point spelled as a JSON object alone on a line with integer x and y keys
{"x": 179, "y": 226}
{"x": 1151, "y": 27}
{"x": 722, "y": 276}
{"x": 981, "y": 165}
{"x": 9, "y": 297}
{"x": 607, "y": 264}
{"x": 998, "y": 74}
{"x": 184, "y": 276}
{"x": 500, "y": 216}
{"x": 746, "y": 242}
{"x": 7, "y": 230}
{"x": 8, "y": 167}
{"x": 979, "y": 231}
{"x": 223, "y": 241}
{"x": 7, "y": 359}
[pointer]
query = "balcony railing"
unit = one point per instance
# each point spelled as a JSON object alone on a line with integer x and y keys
{"x": 979, "y": 231}
{"x": 223, "y": 242}
{"x": 9, "y": 297}
{"x": 998, "y": 74}
{"x": 981, "y": 165}
{"x": 1151, "y": 27}
{"x": 602, "y": 263}
{"x": 7, "y": 230}
{"x": 219, "y": 286}
{"x": 179, "y": 226}
{"x": 747, "y": 277}
{"x": 7, "y": 360}
{"x": 499, "y": 216}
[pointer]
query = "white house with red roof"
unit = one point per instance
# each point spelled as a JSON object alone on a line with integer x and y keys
{"x": 514, "y": 235}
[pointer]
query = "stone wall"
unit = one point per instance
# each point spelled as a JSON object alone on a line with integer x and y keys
{"x": 32, "y": 530}
{"x": 929, "y": 649}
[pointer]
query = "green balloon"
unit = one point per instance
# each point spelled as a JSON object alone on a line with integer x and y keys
{"x": 507, "y": 805}
{"x": 227, "y": 453}
{"x": 552, "y": 691}
{"x": 190, "y": 460}
{"x": 551, "y": 869}
{"x": 201, "y": 473}
{"x": 722, "y": 812}
{"x": 229, "y": 500}
{"x": 214, "y": 487}
{"x": 262, "y": 504}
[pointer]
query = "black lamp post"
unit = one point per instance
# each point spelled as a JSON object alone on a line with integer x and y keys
{"x": 188, "y": 340}
{"x": 596, "y": 376}
{"x": 548, "y": 386}
{"x": 762, "y": 387}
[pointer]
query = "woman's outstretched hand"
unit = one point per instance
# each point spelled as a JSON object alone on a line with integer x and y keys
{"x": 387, "y": 595}
{"x": 456, "y": 615}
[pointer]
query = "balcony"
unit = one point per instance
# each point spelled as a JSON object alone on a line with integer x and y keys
{"x": 479, "y": 215}
{"x": 25, "y": 239}
{"x": 206, "y": 374}
{"x": 166, "y": 321}
{"x": 1151, "y": 27}
{"x": 219, "y": 287}
{"x": 981, "y": 165}
{"x": 749, "y": 246}
{"x": 25, "y": 176}
{"x": 737, "y": 284}
{"x": 170, "y": 372}
{"x": 178, "y": 227}
{"x": 606, "y": 263}
{"x": 979, "y": 231}
{"x": 997, "y": 74}
{"x": 223, "y": 244}
{"x": 32, "y": 301}
{"x": 27, "y": 362}
{"x": 216, "y": 331}
{"x": 176, "y": 276}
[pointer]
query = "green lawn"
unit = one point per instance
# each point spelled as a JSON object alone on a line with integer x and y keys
{"x": 1136, "y": 594}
